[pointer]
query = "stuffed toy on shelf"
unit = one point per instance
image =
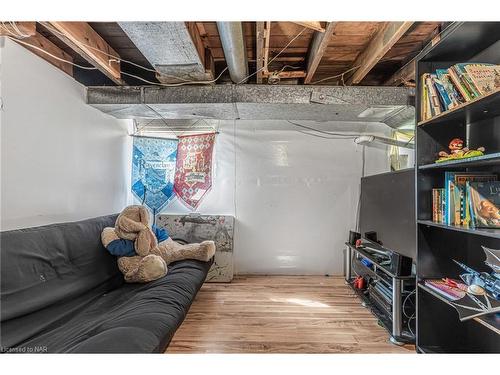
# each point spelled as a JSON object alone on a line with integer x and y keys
{"x": 144, "y": 251}
{"x": 458, "y": 151}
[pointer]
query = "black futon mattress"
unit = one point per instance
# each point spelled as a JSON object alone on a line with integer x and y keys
{"x": 61, "y": 291}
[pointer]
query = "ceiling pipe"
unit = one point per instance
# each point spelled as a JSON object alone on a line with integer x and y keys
{"x": 233, "y": 44}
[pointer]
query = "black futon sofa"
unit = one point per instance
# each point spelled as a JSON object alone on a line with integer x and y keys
{"x": 61, "y": 291}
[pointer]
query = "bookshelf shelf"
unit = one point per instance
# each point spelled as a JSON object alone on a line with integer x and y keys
{"x": 487, "y": 232}
{"x": 487, "y": 320}
{"x": 477, "y": 122}
{"x": 478, "y": 161}
{"x": 480, "y": 108}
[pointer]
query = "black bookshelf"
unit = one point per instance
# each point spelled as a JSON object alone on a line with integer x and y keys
{"x": 439, "y": 329}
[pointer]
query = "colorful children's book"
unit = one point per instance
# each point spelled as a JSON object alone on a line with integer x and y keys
{"x": 437, "y": 205}
{"x": 461, "y": 212}
{"x": 464, "y": 76}
{"x": 484, "y": 203}
{"x": 449, "y": 205}
{"x": 452, "y": 91}
{"x": 444, "y": 98}
{"x": 433, "y": 96}
{"x": 459, "y": 85}
{"x": 425, "y": 105}
{"x": 486, "y": 77}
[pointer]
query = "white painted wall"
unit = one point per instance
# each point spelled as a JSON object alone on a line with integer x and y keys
{"x": 61, "y": 160}
{"x": 294, "y": 196}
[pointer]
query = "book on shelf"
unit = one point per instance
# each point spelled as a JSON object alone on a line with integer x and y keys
{"x": 451, "y": 204}
{"x": 435, "y": 103}
{"x": 454, "y": 94}
{"x": 484, "y": 203}
{"x": 437, "y": 205}
{"x": 465, "y": 80}
{"x": 485, "y": 77}
{"x": 443, "y": 96}
{"x": 445, "y": 89}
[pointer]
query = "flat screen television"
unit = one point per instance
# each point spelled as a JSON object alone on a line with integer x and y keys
{"x": 388, "y": 208}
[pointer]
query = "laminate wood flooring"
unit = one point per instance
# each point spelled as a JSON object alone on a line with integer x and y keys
{"x": 280, "y": 314}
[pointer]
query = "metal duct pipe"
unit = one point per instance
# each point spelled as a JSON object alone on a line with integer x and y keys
{"x": 233, "y": 44}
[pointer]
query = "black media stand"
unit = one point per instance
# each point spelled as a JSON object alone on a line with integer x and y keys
{"x": 385, "y": 292}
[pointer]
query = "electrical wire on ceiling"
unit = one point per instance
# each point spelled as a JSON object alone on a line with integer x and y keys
{"x": 20, "y": 36}
{"x": 341, "y": 75}
{"x": 323, "y": 131}
{"x": 116, "y": 58}
{"x": 274, "y": 58}
{"x": 176, "y": 84}
{"x": 52, "y": 55}
{"x": 289, "y": 66}
{"x": 333, "y": 135}
{"x": 124, "y": 73}
{"x": 17, "y": 35}
{"x": 15, "y": 31}
{"x": 323, "y": 136}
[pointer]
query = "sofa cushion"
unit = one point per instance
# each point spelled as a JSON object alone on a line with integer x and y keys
{"x": 134, "y": 318}
{"x": 52, "y": 264}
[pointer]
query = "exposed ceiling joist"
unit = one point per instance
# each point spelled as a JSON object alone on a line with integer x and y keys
{"x": 263, "y": 37}
{"x": 404, "y": 76}
{"x": 260, "y": 36}
{"x": 86, "y": 42}
{"x": 38, "y": 40}
{"x": 267, "y": 41}
{"x": 380, "y": 44}
{"x": 18, "y": 29}
{"x": 201, "y": 47}
{"x": 287, "y": 74}
{"x": 314, "y": 25}
{"x": 317, "y": 49}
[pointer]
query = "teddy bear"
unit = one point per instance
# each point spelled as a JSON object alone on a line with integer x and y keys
{"x": 145, "y": 251}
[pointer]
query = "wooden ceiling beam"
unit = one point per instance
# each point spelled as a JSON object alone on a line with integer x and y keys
{"x": 287, "y": 74}
{"x": 317, "y": 50}
{"x": 380, "y": 44}
{"x": 404, "y": 76}
{"x": 259, "y": 49}
{"x": 263, "y": 33}
{"x": 82, "y": 38}
{"x": 38, "y": 40}
{"x": 199, "y": 40}
{"x": 314, "y": 25}
{"x": 17, "y": 29}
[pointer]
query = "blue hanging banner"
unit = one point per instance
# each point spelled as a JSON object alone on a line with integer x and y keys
{"x": 153, "y": 171}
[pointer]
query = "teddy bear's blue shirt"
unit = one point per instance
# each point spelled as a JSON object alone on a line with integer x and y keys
{"x": 125, "y": 248}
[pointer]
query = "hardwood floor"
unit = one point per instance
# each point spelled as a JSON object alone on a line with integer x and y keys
{"x": 280, "y": 314}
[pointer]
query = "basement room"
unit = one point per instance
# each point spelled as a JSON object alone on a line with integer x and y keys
{"x": 214, "y": 182}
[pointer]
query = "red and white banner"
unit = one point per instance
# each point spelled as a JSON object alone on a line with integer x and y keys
{"x": 193, "y": 174}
